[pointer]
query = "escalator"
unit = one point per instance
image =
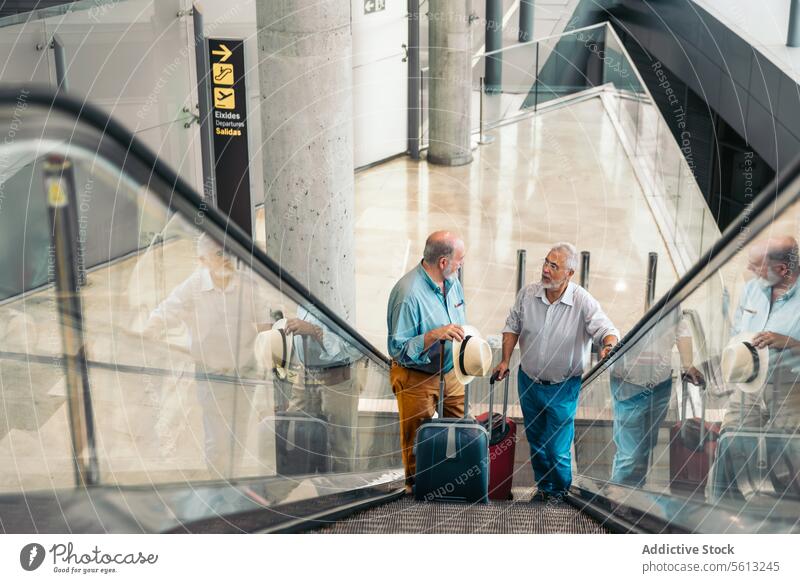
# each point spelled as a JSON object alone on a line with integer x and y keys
{"x": 517, "y": 516}
{"x": 117, "y": 419}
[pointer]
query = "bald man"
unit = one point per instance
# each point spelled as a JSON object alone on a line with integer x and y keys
{"x": 426, "y": 306}
{"x": 770, "y": 307}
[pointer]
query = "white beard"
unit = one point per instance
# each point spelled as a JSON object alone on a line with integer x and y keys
{"x": 223, "y": 272}
{"x": 771, "y": 280}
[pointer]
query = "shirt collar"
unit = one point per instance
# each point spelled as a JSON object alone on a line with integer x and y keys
{"x": 568, "y": 297}
{"x": 789, "y": 292}
{"x": 432, "y": 284}
{"x": 207, "y": 284}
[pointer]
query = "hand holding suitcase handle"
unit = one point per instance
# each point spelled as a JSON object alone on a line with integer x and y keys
{"x": 490, "y": 419}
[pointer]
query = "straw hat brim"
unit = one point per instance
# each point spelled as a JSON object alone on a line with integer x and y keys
{"x": 471, "y": 331}
{"x": 763, "y": 369}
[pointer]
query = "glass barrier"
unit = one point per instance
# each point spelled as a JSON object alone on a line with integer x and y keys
{"x": 102, "y": 38}
{"x": 191, "y": 359}
{"x": 514, "y": 82}
{"x": 705, "y": 397}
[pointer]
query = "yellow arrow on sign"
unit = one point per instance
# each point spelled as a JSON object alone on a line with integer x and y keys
{"x": 224, "y": 53}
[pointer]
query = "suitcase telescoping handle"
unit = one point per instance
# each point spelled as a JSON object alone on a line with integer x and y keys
{"x": 685, "y": 397}
{"x": 440, "y": 407}
{"x": 490, "y": 418}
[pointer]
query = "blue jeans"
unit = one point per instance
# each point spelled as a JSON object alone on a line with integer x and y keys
{"x": 637, "y": 420}
{"x": 549, "y": 413}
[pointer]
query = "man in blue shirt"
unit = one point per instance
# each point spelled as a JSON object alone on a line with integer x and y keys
{"x": 770, "y": 308}
{"x": 426, "y": 306}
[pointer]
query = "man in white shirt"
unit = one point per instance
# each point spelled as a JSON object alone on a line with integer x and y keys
{"x": 223, "y": 309}
{"x": 554, "y": 321}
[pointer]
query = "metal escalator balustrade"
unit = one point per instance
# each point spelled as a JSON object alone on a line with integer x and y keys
{"x": 152, "y": 382}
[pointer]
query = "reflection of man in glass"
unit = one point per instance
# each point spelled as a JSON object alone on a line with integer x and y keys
{"x": 326, "y": 385}
{"x": 770, "y": 308}
{"x": 641, "y": 385}
{"x": 222, "y": 310}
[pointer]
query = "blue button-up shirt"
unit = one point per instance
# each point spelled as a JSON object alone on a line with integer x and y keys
{"x": 416, "y": 306}
{"x": 755, "y": 314}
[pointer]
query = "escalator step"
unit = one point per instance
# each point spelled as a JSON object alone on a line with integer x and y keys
{"x": 406, "y": 515}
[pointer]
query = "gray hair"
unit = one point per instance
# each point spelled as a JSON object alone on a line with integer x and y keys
{"x": 569, "y": 250}
{"x": 207, "y": 247}
{"x": 785, "y": 251}
{"x": 436, "y": 248}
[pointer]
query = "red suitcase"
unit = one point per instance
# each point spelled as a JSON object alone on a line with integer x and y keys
{"x": 692, "y": 447}
{"x": 502, "y": 443}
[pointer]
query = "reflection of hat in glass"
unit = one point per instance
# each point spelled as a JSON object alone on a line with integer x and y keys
{"x": 744, "y": 366}
{"x": 472, "y": 357}
{"x": 278, "y": 344}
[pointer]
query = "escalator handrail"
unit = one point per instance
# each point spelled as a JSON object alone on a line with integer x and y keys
{"x": 776, "y": 196}
{"x": 91, "y": 115}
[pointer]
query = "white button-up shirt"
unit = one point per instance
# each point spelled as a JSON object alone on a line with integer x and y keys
{"x": 221, "y": 323}
{"x": 554, "y": 338}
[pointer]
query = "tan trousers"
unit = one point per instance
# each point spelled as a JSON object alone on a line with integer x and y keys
{"x": 417, "y": 399}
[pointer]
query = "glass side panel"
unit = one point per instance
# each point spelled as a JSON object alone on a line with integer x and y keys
{"x": 24, "y": 56}
{"x": 146, "y": 41}
{"x": 35, "y": 449}
{"x": 706, "y": 403}
{"x": 200, "y": 366}
{"x": 556, "y": 71}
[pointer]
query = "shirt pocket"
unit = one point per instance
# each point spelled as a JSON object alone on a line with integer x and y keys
{"x": 460, "y": 309}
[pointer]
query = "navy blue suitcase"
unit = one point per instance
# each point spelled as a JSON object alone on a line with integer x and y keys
{"x": 301, "y": 443}
{"x": 452, "y": 456}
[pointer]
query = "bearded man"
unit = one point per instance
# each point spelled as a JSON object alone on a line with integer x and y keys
{"x": 554, "y": 320}
{"x": 425, "y": 307}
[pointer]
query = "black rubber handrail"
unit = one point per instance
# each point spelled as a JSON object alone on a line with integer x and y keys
{"x": 776, "y": 196}
{"x": 92, "y": 116}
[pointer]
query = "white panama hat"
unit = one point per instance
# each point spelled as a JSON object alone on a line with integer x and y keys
{"x": 744, "y": 366}
{"x": 472, "y": 357}
{"x": 276, "y": 344}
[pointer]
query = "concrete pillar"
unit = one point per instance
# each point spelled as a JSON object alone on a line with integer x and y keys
{"x": 306, "y": 77}
{"x": 793, "y": 36}
{"x": 525, "y": 21}
{"x": 449, "y": 42}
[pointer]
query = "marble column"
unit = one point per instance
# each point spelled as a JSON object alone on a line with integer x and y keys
{"x": 306, "y": 78}
{"x": 449, "y": 42}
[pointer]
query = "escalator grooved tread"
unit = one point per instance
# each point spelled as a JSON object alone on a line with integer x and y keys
{"x": 519, "y": 516}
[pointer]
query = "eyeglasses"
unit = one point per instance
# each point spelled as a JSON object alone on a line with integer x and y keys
{"x": 550, "y": 264}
